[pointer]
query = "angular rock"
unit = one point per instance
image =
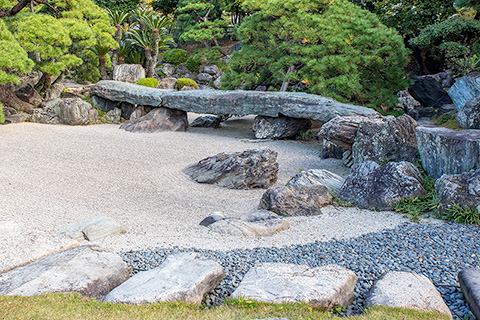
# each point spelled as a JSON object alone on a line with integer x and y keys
{"x": 462, "y": 189}
{"x": 211, "y": 219}
{"x": 73, "y": 111}
{"x": 411, "y": 106}
{"x": 314, "y": 177}
{"x": 30, "y": 79}
{"x": 128, "y": 73}
{"x": 92, "y": 115}
{"x": 181, "y": 70}
{"x": 87, "y": 271}
{"x": 157, "y": 120}
{"x": 386, "y": 139}
{"x": 296, "y": 200}
{"x": 338, "y": 135}
{"x": 204, "y": 78}
{"x": 469, "y": 280}
{"x": 16, "y": 118}
{"x": 128, "y": 92}
{"x": 21, "y": 245}
{"x": 280, "y": 127}
{"x": 406, "y": 290}
{"x": 181, "y": 277}
{"x": 240, "y": 170}
{"x": 139, "y": 112}
{"x": 211, "y": 69}
{"x": 370, "y": 185}
{"x": 447, "y": 151}
{"x": 325, "y": 287}
{"x": 217, "y": 83}
{"x": 428, "y": 92}
{"x": 104, "y": 104}
{"x": 469, "y": 115}
{"x": 92, "y": 229}
{"x": 271, "y": 104}
{"x": 465, "y": 89}
{"x": 114, "y": 115}
{"x": 167, "y": 83}
{"x": 258, "y": 223}
{"x": 127, "y": 109}
{"x": 29, "y": 95}
{"x": 54, "y": 92}
{"x": 168, "y": 69}
{"x": 45, "y": 116}
{"x": 205, "y": 122}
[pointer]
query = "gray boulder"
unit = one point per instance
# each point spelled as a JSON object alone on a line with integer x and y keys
{"x": 469, "y": 115}
{"x": 239, "y": 170}
{"x": 204, "y": 78}
{"x": 181, "y": 70}
{"x": 406, "y": 290}
{"x": 44, "y": 116}
{"x": 139, "y": 112}
{"x": 92, "y": 229}
{"x": 314, "y": 177}
{"x": 104, "y": 104}
{"x": 296, "y": 200}
{"x": 211, "y": 69}
{"x": 447, "y": 151}
{"x": 29, "y": 95}
{"x": 211, "y": 219}
{"x": 85, "y": 270}
{"x": 127, "y": 109}
{"x": 462, "y": 189}
{"x": 128, "y": 73}
{"x": 54, "y": 92}
{"x": 73, "y": 111}
{"x": 167, "y": 68}
{"x": 157, "y": 120}
{"x": 411, "y": 106}
{"x": 16, "y": 118}
{"x": 465, "y": 89}
{"x": 181, "y": 277}
{"x": 370, "y": 185}
{"x": 280, "y": 127}
{"x": 469, "y": 280}
{"x": 217, "y": 83}
{"x": 205, "y": 122}
{"x": 114, "y": 115}
{"x": 167, "y": 83}
{"x": 325, "y": 287}
{"x": 338, "y": 135}
{"x": 429, "y": 92}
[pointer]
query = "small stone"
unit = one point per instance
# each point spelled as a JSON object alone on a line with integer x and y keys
{"x": 92, "y": 229}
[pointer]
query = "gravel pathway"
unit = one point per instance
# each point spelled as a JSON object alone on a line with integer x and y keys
{"x": 436, "y": 251}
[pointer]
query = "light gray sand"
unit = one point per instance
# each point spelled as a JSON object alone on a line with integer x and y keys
{"x": 52, "y": 176}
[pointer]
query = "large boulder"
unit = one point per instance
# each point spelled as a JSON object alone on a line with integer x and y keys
{"x": 92, "y": 229}
{"x": 462, "y": 189}
{"x": 181, "y": 277}
{"x": 211, "y": 69}
{"x": 325, "y": 287}
{"x": 167, "y": 83}
{"x": 314, "y": 177}
{"x": 73, "y": 111}
{"x": 429, "y": 92}
{"x": 338, "y": 135}
{"x": 469, "y": 116}
{"x": 29, "y": 95}
{"x": 128, "y": 73}
{"x": 157, "y": 120}
{"x": 447, "y": 151}
{"x": 411, "y": 106}
{"x": 239, "y": 170}
{"x": 370, "y": 185}
{"x": 280, "y": 127}
{"x": 406, "y": 290}
{"x": 469, "y": 280}
{"x": 296, "y": 200}
{"x": 85, "y": 270}
{"x": 465, "y": 89}
{"x": 45, "y": 116}
{"x": 204, "y": 78}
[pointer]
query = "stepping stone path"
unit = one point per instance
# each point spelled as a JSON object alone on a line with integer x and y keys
{"x": 92, "y": 229}
{"x": 406, "y": 290}
{"x": 181, "y": 277}
{"x": 84, "y": 270}
{"x": 20, "y": 245}
{"x": 324, "y": 287}
{"x": 470, "y": 283}
{"x": 314, "y": 177}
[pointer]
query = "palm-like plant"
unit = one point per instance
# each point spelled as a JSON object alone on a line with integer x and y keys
{"x": 142, "y": 39}
{"x": 157, "y": 24}
{"x": 468, "y": 8}
{"x": 118, "y": 18}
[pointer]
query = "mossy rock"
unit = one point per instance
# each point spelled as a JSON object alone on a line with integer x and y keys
{"x": 186, "y": 82}
{"x": 148, "y": 82}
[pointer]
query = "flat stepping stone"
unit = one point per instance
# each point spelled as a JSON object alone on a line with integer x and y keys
{"x": 470, "y": 283}
{"x": 406, "y": 290}
{"x": 21, "y": 245}
{"x": 325, "y": 287}
{"x": 181, "y": 277}
{"x": 92, "y": 229}
{"x": 84, "y": 270}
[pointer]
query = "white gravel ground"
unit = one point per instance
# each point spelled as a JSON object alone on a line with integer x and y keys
{"x": 54, "y": 175}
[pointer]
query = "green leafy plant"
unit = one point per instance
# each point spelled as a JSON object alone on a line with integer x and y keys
{"x": 459, "y": 214}
{"x": 185, "y": 82}
{"x": 148, "y": 82}
{"x": 175, "y": 56}
{"x": 194, "y": 63}
{"x": 447, "y": 120}
{"x": 2, "y": 116}
{"x": 337, "y": 202}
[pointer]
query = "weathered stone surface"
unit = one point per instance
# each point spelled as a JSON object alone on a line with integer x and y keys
{"x": 88, "y": 271}
{"x": 217, "y": 83}
{"x": 258, "y": 223}
{"x": 45, "y": 116}
{"x": 469, "y": 280}
{"x": 16, "y": 118}
{"x": 127, "y": 109}
{"x": 128, "y": 73}
{"x": 114, "y": 115}
{"x": 385, "y": 139}
{"x": 92, "y": 115}
{"x": 203, "y": 78}
{"x": 465, "y": 89}
{"x": 411, "y": 106}
{"x": 325, "y": 287}
{"x": 271, "y": 104}
{"x": 104, "y": 104}
{"x": 181, "y": 70}
{"x": 167, "y": 68}
{"x": 280, "y": 127}
{"x": 29, "y": 95}
{"x": 447, "y": 151}
{"x": 54, "y": 92}
{"x": 157, "y": 120}
{"x": 211, "y": 69}
{"x": 188, "y": 88}
{"x": 139, "y": 111}
{"x": 406, "y": 290}
{"x": 30, "y": 79}
{"x": 205, "y": 122}
{"x": 73, "y": 111}
{"x": 296, "y": 200}
{"x": 181, "y": 277}
{"x": 20, "y": 245}
{"x": 370, "y": 185}
{"x": 429, "y": 92}
{"x": 128, "y": 92}
{"x": 92, "y": 229}
{"x": 216, "y": 216}
{"x": 239, "y": 170}
{"x": 462, "y": 189}
{"x": 317, "y": 177}
{"x": 469, "y": 115}
{"x": 167, "y": 83}
{"x": 338, "y": 135}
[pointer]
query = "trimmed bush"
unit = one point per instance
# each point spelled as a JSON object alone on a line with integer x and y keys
{"x": 148, "y": 82}
{"x": 175, "y": 56}
{"x": 185, "y": 82}
{"x": 193, "y": 63}
{"x": 2, "y": 116}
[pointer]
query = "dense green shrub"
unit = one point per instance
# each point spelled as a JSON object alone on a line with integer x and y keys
{"x": 2, "y": 116}
{"x": 194, "y": 63}
{"x": 148, "y": 82}
{"x": 122, "y": 5}
{"x": 332, "y": 48}
{"x": 185, "y": 82}
{"x": 175, "y": 56}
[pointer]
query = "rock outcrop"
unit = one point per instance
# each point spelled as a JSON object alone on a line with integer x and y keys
{"x": 429, "y": 92}
{"x": 314, "y": 177}
{"x": 469, "y": 116}
{"x": 280, "y": 127}
{"x": 461, "y": 189}
{"x": 157, "y": 120}
{"x": 128, "y": 73}
{"x": 338, "y": 135}
{"x": 465, "y": 89}
{"x": 74, "y": 111}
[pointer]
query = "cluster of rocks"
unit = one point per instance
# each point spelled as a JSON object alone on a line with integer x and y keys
{"x": 208, "y": 76}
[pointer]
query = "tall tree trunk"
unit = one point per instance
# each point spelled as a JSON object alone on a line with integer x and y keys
{"x": 286, "y": 82}
{"x": 156, "y": 39}
{"x": 148, "y": 58}
{"x": 102, "y": 67}
{"x": 118, "y": 38}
